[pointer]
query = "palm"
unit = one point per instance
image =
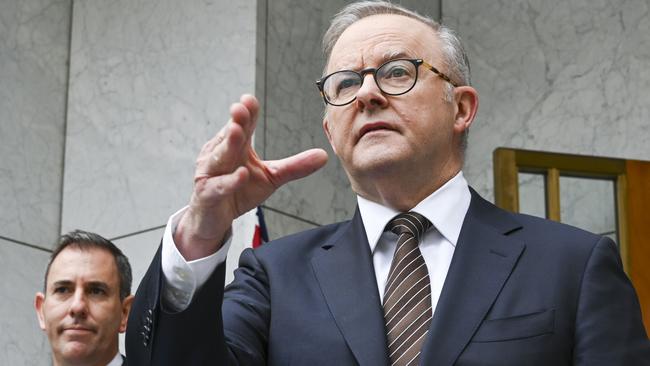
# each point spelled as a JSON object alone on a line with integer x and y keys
{"x": 230, "y": 179}
{"x": 263, "y": 180}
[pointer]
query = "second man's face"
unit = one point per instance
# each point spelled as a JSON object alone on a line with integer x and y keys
{"x": 81, "y": 311}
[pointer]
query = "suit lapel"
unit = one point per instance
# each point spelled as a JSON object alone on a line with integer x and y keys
{"x": 482, "y": 262}
{"x": 345, "y": 273}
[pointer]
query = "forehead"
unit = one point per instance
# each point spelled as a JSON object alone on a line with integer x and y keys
{"x": 83, "y": 265}
{"x": 377, "y": 38}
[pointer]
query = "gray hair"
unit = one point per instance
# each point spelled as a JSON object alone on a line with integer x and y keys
{"x": 84, "y": 240}
{"x": 453, "y": 52}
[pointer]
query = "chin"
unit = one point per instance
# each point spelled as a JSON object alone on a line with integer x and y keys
{"x": 77, "y": 351}
{"x": 376, "y": 167}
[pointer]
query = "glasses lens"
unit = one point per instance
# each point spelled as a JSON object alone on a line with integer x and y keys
{"x": 341, "y": 87}
{"x": 397, "y": 76}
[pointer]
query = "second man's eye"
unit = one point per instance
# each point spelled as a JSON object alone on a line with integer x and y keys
{"x": 61, "y": 290}
{"x": 97, "y": 291}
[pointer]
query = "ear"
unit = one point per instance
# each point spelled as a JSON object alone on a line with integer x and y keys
{"x": 326, "y": 128}
{"x": 466, "y": 99}
{"x": 126, "y": 308}
{"x": 38, "y": 305}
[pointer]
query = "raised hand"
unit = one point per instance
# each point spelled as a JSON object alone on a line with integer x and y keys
{"x": 230, "y": 179}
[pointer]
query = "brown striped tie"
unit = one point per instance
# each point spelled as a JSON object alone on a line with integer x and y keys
{"x": 407, "y": 297}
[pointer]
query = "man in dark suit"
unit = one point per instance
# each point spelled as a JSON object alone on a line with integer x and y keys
{"x": 86, "y": 300}
{"x": 426, "y": 272}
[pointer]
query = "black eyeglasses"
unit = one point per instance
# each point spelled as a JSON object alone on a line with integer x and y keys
{"x": 395, "y": 77}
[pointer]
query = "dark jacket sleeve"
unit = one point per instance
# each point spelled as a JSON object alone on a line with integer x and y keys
{"x": 195, "y": 336}
{"x": 609, "y": 329}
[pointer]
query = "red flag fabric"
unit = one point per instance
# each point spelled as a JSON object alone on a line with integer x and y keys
{"x": 260, "y": 236}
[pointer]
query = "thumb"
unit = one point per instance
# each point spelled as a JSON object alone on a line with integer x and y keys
{"x": 296, "y": 166}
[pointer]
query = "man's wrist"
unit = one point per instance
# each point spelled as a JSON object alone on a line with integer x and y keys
{"x": 197, "y": 237}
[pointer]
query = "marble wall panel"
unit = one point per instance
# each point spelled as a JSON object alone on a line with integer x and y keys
{"x": 21, "y": 340}
{"x": 294, "y": 109}
{"x": 34, "y": 47}
{"x": 150, "y": 82}
{"x": 566, "y": 76}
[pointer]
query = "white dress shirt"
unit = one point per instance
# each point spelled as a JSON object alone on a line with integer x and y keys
{"x": 183, "y": 278}
{"x": 116, "y": 361}
{"x": 445, "y": 208}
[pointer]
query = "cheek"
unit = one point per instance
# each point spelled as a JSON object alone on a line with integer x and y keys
{"x": 426, "y": 116}
{"x": 52, "y": 322}
{"x": 338, "y": 135}
{"x": 108, "y": 317}
{"x": 53, "y": 314}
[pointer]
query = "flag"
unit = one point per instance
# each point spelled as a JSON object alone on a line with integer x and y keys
{"x": 260, "y": 236}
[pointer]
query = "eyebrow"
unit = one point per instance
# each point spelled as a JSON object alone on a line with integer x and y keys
{"x": 97, "y": 284}
{"x": 62, "y": 283}
{"x": 391, "y": 55}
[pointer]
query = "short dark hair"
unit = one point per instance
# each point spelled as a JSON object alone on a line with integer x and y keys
{"x": 84, "y": 240}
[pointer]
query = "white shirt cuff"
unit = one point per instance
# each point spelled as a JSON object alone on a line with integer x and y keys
{"x": 183, "y": 278}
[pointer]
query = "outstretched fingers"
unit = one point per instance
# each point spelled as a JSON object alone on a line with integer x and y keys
{"x": 296, "y": 166}
{"x": 223, "y": 154}
{"x": 245, "y": 114}
{"x": 227, "y": 150}
{"x": 222, "y": 189}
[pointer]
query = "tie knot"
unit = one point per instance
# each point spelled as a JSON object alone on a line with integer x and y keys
{"x": 409, "y": 222}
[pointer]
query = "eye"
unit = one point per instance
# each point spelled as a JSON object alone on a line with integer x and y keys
{"x": 346, "y": 83}
{"x": 61, "y": 290}
{"x": 396, "y": 71}
{"x": 97, "y": 291}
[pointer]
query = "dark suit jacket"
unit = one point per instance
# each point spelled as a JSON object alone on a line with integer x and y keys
{"x": 519, "y": 291}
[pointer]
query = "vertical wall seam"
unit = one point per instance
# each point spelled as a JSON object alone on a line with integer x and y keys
{"x": 66, "y": 107}
{"x": 266, "y": 63}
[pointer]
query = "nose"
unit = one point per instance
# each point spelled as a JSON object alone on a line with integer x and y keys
{"x": 369, "y": 96}
{"x": 78, "y": 305}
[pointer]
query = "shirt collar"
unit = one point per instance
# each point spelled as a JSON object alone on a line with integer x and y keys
{"x": 116, "y": 361}
{"x": 445, "y": 208}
